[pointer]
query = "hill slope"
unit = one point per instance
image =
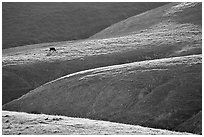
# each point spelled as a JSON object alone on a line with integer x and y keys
{"x": 181, "y": 13}
{"x": 28, "y": 67}
{"x": 159, "y": 93}
{"x": 48, "y": 125}
{"x": 193, "y": 125}
{"x": 30, "y": 23}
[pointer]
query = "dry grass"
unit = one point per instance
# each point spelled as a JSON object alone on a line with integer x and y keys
{"x": 16, "y": 123}
{"x": 186, "y": 37}
{"x": 182, "y": 13}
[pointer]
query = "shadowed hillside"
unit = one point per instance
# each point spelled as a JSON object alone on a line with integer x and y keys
{"x": 193, "y": 125}
{"x": 41, "y": 124}
{"x": 30, "y": 23}
{"x": 27, "y": 67}
{"x": 161, "y": 93}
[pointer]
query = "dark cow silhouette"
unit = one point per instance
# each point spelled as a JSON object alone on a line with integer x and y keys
{"x": 53, "y": 49}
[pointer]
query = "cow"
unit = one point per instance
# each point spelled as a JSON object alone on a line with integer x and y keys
{"x": 52, "y": 49}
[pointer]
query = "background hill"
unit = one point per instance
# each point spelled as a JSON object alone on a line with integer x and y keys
{"x": 41, "y": 124}
{"x": 181, "y": 13}
{"x": 162, "y": 93}
{"x": 30, "y": 23}
{"x": 27, "y": 67}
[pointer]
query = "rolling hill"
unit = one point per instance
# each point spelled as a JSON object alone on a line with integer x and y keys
{"x": 27, "y": 67}
{"x": 145, "y": 70}
{"x": 40, "y": 124}
{"x": 181, "y": 13}
{"x": 161, "y": 93}
{"x": 27, "y": 23}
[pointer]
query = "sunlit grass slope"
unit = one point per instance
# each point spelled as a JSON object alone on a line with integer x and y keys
{"x": 41, "y": 124}
{"x": 181, "y": 13}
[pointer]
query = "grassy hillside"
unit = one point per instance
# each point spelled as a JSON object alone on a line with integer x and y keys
{"x": 160, "y": 93}
{"x": 28, "y": 67}
{"x": 26, "y": 23}
{"x": 41, "y": 124}
{"x": 181, "y": 13}
{"x": 193, "y": 124}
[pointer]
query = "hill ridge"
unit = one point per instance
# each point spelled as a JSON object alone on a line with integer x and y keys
{"x": 196, "y": 57}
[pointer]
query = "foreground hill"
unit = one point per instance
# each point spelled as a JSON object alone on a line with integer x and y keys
{"x": 29, "y": 23}
{"x": 160, "y": 93}
{"x": 40, "y": 124}
{"x": 27, "y": 67}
